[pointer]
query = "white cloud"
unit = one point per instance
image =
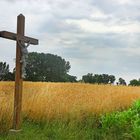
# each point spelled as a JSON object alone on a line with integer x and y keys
{"x": 123, "y": 2}
{"x": 101, "y": 27}
{"x": 100, "y": 36}
{"x": 99, "y": 15}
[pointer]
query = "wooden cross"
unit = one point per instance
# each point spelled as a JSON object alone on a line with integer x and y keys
{"x": 17, "y": 118}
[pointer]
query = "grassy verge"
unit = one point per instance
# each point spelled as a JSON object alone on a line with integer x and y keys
{"x": 57, "y": 130}
{"x": 123, "y": 125}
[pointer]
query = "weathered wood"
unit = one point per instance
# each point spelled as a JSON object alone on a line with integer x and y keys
{"x": 17, "y": 117}
{"x": 13, "y": 36}
{"x": 18, "y": 79}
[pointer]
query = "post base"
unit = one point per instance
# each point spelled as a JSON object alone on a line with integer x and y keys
{"x": 14, "y": 131}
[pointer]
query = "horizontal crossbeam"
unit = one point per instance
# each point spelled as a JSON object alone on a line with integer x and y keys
{"x": 13, "y": 36}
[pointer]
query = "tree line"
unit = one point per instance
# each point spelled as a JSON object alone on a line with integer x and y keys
{"x": 41, "y": 67}
{"x": 102, "y": 79}
{"x": 52, "y": 68}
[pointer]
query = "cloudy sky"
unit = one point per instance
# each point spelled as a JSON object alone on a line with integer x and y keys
{"x": 96, "y": 36}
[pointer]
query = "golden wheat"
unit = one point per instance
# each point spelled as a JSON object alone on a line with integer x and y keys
{"x": 65, "y": 100}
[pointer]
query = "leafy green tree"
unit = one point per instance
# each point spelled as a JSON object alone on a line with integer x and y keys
{"x": 122, "y": 81}
{"x": 70, "y": 78}
{"x": 112, "y": 79}
{"x": 4, "y": 70}
{"x": 46, "y": 67}
{"x": 134, "y": 82}
{"x": 98, "y": 78}
{"x": 88, "y": 78}
{"x": 10, "y": 76}
{"x": 105, "y": 78}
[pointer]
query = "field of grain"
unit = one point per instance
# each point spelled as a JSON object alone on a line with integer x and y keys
{"x": 46, "y": 101}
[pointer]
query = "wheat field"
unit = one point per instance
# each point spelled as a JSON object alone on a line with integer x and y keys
{"x": 46, "y": 101}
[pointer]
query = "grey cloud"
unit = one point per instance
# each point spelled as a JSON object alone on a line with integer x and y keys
{"x": 87, "y": 52}
{"x": 55, "y": 26}
{"x": 123, "y": 13}
{"x": 71, "y": 9}
{"x": 102, "y": 52}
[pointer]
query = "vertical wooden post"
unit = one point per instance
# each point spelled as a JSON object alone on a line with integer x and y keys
{"x": 18, "y": 78}
{"x": 17, "y": 117}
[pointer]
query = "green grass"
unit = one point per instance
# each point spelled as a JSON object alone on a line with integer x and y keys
{"x": 123, "y": 125}
{"x": 54, "y": 130}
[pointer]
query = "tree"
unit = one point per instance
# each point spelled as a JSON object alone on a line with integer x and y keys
{"x": 134, "y": 82}
{"x": 5, "y": 74}
{"x": 46, "y": 67}
{"x": 71, "y": 78}
{"x": 122, "y": 81}
{"x": 105, "y": 78}
{"x": 10, "y": 76}
{"x": 112, "y": 79}
{"x": 98, "y": 78}
{"x": 4, "y": 70}
{"x": 88, "y": 78}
